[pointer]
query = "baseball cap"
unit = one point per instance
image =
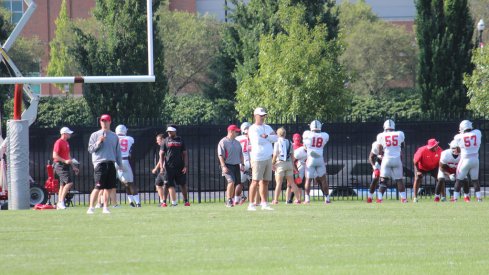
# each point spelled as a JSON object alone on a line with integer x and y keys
{"x": 259, "y": 111}
{"x": 432, "y": 143}
{"x": 296, "y": 136}
{"x": 65, "y": 130}
{"x": 105, "y": 117}
{"x": 171, "y": 129}
{"x": 233, "y": 127}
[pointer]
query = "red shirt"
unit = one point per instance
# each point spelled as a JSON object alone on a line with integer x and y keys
{"x": 427, "y": 160}
{"x": 62, "y": 148}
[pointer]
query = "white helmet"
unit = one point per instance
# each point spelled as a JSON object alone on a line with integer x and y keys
{"x": 453, "y": 144}
{"x": 244, "y": 127}
{"x": 389, "y": 125}
{"x": 315, "y": 125}
{"x": 121, "y": 130}
{"x": 465, "y": 125}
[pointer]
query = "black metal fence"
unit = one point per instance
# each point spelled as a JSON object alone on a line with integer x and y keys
{"x": 347, "y": 151}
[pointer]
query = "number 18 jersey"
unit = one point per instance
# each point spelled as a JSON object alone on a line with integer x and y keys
{"x": 314, "y": 143}
{"x": 391, "y": 142}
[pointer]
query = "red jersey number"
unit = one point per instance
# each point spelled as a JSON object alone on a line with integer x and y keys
{"x": 244, "y": 145}
{"x": 124, "y": 144}
{"x": 317, "y": 142}
{"x": 469, "y": 141}
{"x": 391, "y": 140}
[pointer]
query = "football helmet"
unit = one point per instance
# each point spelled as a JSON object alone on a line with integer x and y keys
{"x": 453, "y": 144}
{"x": 244, "y": 127}
{"x": 121, "y": 130}
{"x": 389, "y": 125}
{"x": 465, "y": 125}
{"x": 315, "y": 125}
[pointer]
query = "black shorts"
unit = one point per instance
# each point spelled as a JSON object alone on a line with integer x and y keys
{"x": 63, "y": 172}
{"x": 433, "y": 173}
{"x": 160, "y": 179}
{"x": 175, "y": 176}
{"x": 234, "y": 174}
{"x": 105, "y": 176}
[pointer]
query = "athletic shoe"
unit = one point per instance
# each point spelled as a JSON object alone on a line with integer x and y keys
{"x": 60, "y": 206}
{"x": 289, "y": 202}
{"x": 174, "y": 205}
{"x": 266, "y": 207}
{"x": 138, "y": 205}
{"x": 415, "y": 200}
{"x": 187, "y": 204}
{"x": 404, "y": 201}
{"x": 453, "y": 200}
{"x": 378, "y": 201}
{"x": 437, "y": 199}
{"x": 479, "y": 200}
{"x": 90, "y": 210}
{"x": 306, "y": 202}
{"x": 274, "y": 202}
{"x": 132, "y": 204}
{"x": 163, "y": 204}
{"x": 327, "y": 202}
{"x": 98, "y": 205}
{"x": 251, "y": 207}
{"x": 297, "y": 202}
{"x": 106, "y": 210}
{"x": 443, "y": 199}
{"x": 369, "y": 200}
{"x": 116, "y": 206}
{"x": 467, "y": 199}
{"x": 229, "y": 204}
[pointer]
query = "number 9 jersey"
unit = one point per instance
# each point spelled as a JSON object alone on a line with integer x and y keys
{"x": 391, "y": 143}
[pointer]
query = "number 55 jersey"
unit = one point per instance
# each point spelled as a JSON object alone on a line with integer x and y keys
{"x": 391, "y": 142}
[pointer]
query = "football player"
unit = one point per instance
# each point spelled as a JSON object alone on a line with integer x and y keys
{"x": 239, "y": 197}
{"x": 126, "y": 176}
{"x": 449, "y": 160}
{"x": 375, "y": 159}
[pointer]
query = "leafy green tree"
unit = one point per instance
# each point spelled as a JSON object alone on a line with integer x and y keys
{"x": 405, "y": 103}
{"x": 191, "y": 43}
{"x": 299, "y": 73}
{"x": 61, "y": 62}
{"x": 478, "y": 82}
{"x": 119, "y": 48}
{"x": 444, "y": 32}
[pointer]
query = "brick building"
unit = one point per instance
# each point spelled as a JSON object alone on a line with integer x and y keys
{"x": 42, "y": 24}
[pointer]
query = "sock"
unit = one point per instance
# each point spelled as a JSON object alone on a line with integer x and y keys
{"x": 370, "y": 195}
{"x": 129, "y": 198}
{"x": 174, "y": 202}
{"x": 466, "y": 195}
{"x": 478, "y": 195}
{"x": 379, "y": 195}
{"x": 403, "y": 195}
{"x": 437, "y": 196}
{"x": 136, "y": 199}
{"x": 307, "y": 198}
{"x": 164, "y": 201}
{"x": 456, "y": 195}
{"x": 326, "y": 198}
{"x": 237, "y": 199}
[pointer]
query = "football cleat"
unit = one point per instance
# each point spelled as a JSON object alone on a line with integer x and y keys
{"x": 242, "y": 200}
{"x": 404, "y": 201}
{"x": 163, "y": 204}
{"x": 369, "y": 200}
{"x": 187, "y": 203}
{"x": 132, "y": 204}
{"x": 479, "y": 199}
{"x": 327, "y": 202}
{"x": 443, "y": 199}
{"x": 138, "y": 205}
{"x": 378, "y": 201}
{"x": 415, "y": 200}
{"x": 437, "y": 199}
{"x": 467, "y": 199}
{"x": 453, "y": 200}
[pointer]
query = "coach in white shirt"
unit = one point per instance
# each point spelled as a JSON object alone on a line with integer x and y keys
{"x": 261, "y": 138}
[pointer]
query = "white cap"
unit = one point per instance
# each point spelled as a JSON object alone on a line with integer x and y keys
{"x": 171, "y": 129}
{"x": 65, "y": 130}
{"x": 259, "y": 111}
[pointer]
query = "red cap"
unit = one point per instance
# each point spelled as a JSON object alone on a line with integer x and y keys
{"x": 296, "y": 136}
{"x": 233, "y": 127}
{"x": 432, "y": 143}
{"x": 105, "y": 117}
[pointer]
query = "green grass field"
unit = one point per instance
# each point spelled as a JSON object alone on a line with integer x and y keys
{"x": 343, "y": 237}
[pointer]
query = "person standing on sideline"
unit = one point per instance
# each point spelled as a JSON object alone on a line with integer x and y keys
{"x": 160, "y": 181}
{"x": 105, "y": 150}
{"x": 469, "y": 141}
{"x": 62, "y": 163}
{"x": 173, "y": 161}
{"x": 126, "y": 176}
{"x": 392, "y": 142}
{"x": 283, "y": 163}
{"x": 448, "y": 167}
{"x": 261, "y": 137}
{"x": 314, "y": 142}
{"x": 426, "y": 161}
{"x": 243, "y": 139}
{"x": 375, "y": 159}
{"x": 231, "y": 161}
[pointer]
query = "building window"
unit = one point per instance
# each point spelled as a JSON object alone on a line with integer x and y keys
{"x": 16, "y": 9}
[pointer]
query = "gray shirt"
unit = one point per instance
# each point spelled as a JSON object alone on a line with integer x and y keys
{"x": 106, "y": 151}
{"x": 230, "y": 150}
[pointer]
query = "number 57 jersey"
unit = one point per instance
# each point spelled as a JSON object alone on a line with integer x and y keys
{"x": 391, "y": 143}
{"x": 314, "y": 143}
{"x": 469, "y": 143}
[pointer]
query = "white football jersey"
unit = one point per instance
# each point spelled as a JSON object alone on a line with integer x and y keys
{"x": 448, "y": 159}
{"x": 469, "y": 142}
{"x": 245, "y": 146}
{"x": 391, "y": 142}
{"x": 300, "y": 154}
{"x": 314, "y": 143}
{"x": 125, "y": 143}
{"x": 375, "y": 148}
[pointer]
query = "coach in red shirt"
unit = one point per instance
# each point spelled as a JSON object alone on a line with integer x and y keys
{"x": 426, "y": 160}
{"x": 62, "y": 165}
